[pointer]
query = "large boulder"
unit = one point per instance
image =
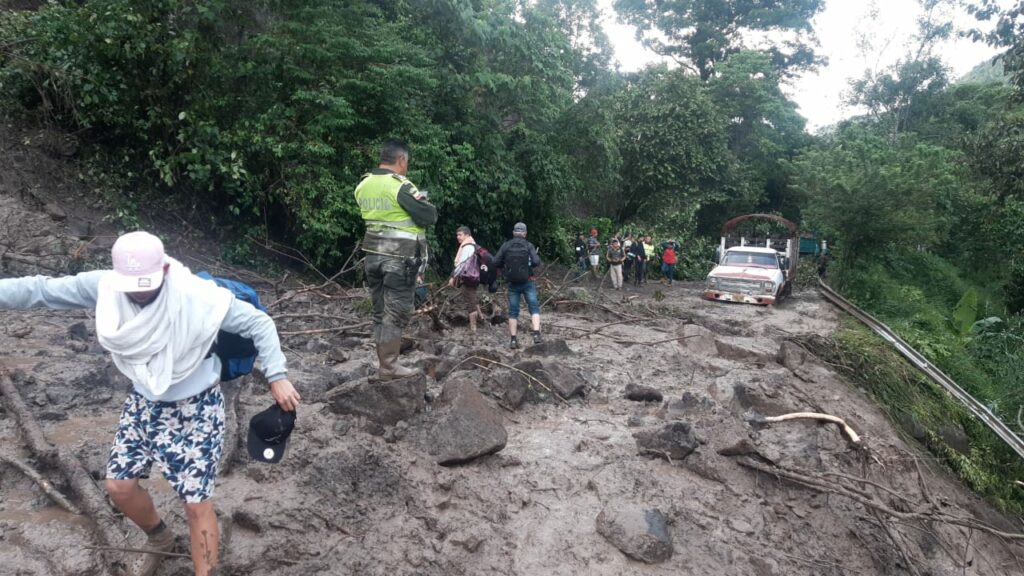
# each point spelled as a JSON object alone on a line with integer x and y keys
{"x": 698, "y": 341}
{"x": 673, "y": 441}
{"x": 508, "y": 387}
{"x": 463, "y": 425}
{"x": 555, "y": 377}
{"x": 639, "y": 393}
{"x": 385, "y": 403}
{"x": 641, "y": 534}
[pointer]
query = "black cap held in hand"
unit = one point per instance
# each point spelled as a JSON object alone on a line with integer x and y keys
{"x": 268, "y": 434}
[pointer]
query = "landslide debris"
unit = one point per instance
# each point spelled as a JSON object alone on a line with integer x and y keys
{"x": 555, "y": 459}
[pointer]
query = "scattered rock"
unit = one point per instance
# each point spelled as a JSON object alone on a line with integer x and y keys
{"x": 578, "y": 293}
{"x": 338, "y": 355}
{"x": 953, "y": 434}
{"x": 469, "y": 540}
{"x": 54, "y": 211}
{"x": 350, "y": 371}
{"x": 509, "y": 388}
{"x": 19, "y": 330}
{"x": 384, "y": 403}
{"x": 638, "y": 393}
{"x": 79, "y": 331}
{"x": 913, "y": 427}
{"x": 689, "y": 404}
{"x": 78, "y": 346}
{"x": 741, "y": 352}
{"x": 698, "y": 340}
{"x": 557, "y": 377}
{"x": 641, "y": 534}
{"x": 478, "y": 358}
{"x": 741, "y": 448}
{"x": 247, "y": 521}
{"x": 549, "y": 348}
{"x": 674, "y": 441}
{"x": 463, "y": 426}
{"x": 319, "y": 345}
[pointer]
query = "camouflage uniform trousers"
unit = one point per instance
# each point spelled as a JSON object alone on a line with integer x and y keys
{"x": 392, "y": 285}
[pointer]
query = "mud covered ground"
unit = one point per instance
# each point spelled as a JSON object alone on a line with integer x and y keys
{"x": 354, "y": 497}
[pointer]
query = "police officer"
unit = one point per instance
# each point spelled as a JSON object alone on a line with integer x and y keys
{"x": 396, "y": 217}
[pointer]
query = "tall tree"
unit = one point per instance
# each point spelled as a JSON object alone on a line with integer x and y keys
{"x": 674, "y": 146}
{"x": 702, "y": 33}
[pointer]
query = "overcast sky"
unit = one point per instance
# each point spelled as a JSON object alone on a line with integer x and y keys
{"x": 838, "y": 26}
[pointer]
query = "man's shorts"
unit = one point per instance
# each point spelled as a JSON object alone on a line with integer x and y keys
{"x": 185, "y": 439}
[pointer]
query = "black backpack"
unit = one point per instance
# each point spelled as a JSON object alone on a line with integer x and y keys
{"x": 517, "y": 261}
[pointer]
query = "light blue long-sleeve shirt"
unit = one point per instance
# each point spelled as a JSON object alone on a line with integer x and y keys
{"x": 80, "y": 291}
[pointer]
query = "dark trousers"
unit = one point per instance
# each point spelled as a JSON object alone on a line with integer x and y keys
{"x": 641, "y": 269}
{"x": 392, "y": 288}
{"x": 627, "y": 267}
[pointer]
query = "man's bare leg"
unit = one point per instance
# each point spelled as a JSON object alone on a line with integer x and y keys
{"x": 202, "y": 527}
{"x": 134, "y": 502}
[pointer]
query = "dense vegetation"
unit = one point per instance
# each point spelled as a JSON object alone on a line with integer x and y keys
{"x": 258, "y": 118}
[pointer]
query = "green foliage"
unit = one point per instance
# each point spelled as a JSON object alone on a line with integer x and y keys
{"x": 706, "y": 32}
{"x": 673, "y": 145}
{"x": 867, "y": 192}
{"x": 965, "y": 313}
{"x": 1014, "y": 289}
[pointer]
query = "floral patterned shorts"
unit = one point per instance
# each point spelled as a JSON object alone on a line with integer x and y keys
{"x": 184, "y": 438}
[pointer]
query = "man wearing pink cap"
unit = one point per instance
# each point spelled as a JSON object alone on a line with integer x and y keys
{"x": 160, "y": 322}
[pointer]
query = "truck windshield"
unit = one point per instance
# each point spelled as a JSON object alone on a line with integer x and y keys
{"x": 751, "y": 259}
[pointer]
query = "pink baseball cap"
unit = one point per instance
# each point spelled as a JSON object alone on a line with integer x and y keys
{"x": 138, "y": 262}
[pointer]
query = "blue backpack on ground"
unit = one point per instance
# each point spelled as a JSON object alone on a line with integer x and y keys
{"x": 237, "y": 354}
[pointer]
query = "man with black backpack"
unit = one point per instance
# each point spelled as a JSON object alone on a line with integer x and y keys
{"x": 160, "y": 322}
{"x": 517, "y": 258}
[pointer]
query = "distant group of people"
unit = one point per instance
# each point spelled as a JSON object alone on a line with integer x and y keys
{"x": 628, "y": 259}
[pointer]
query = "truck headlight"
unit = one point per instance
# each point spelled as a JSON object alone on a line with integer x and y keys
{"x": 712, "y": 282}
{"x": 768, "y": 286}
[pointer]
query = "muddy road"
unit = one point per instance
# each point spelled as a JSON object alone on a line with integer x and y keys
{"x": 592, "y": 483}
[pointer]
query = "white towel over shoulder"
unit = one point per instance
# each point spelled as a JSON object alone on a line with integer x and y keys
{"x": 164, "y": 342}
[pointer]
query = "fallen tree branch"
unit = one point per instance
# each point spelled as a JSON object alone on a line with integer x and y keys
{"x": 850, "y": 434}
{"x": 327, "y": 282}
{"x": 26, "y": 260}
{"x": 92, "y": 499}
{"x": 814, "y": 482}
{"x": 43, "y": 484}
{"x": 324, "y": 330}
{"x": 138, "y": 551}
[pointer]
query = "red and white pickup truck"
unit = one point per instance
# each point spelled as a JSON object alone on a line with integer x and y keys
{"x": 749, "y": 274}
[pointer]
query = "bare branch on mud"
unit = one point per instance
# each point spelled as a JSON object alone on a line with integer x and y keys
{"x": 43, "y": 484}
{"x": 337, "y": 330}
{"x": 94, "y": 502}
{"x": 326, "y": 284}
{"x": 618, "y": 313}
{"x": 593, "y": 332}
{"x": 301, "y": 258}
{"x": 138, "y": 551}
{"x": 850, "y": 434}
{"x": 26, "y": 260}
{"x": 817, "y": 482}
